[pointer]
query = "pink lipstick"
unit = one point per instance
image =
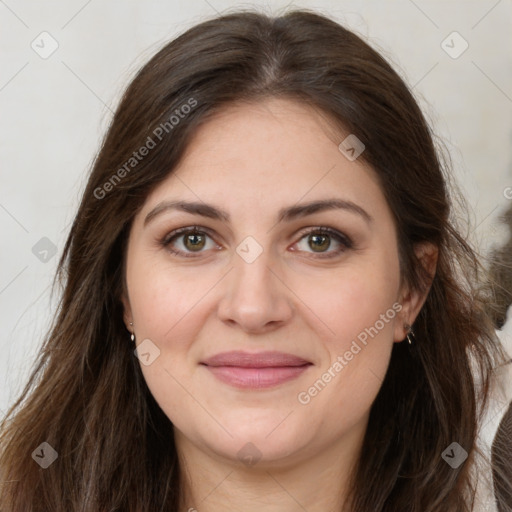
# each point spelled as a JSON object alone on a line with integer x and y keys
{"x": 256, "y": 370}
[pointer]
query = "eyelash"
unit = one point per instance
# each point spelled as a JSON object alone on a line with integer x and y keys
{"x": 344, "y": 240}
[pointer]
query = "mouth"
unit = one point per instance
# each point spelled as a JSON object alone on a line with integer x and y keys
{"x": 261, "y": 370}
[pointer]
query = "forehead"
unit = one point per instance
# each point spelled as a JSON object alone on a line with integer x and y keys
{"x": 266, "y": 155}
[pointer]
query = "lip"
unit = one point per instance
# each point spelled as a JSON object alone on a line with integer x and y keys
{"x": 255, "y": 370}
{"x": 255, "y": 360}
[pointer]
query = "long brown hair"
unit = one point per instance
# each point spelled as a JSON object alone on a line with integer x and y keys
{"x": 87, "y": 397}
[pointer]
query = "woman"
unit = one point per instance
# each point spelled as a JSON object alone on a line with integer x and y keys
{"x": 266, "y": 304}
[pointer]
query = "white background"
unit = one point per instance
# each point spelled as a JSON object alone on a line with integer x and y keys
{"x": 54, "y": 112}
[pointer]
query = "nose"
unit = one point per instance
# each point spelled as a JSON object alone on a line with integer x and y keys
{"x": 255, "y": 297}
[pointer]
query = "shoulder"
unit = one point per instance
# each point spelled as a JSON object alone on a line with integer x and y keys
{"x": 495, "y": 438}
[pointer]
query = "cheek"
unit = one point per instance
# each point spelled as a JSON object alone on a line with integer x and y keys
{"x": 348, "y": 301}
{"x": 167, "y": 306}
{"x": 167, "y": 309}
{"x": 356, "y": 310}
{"x": 165, "y": 299}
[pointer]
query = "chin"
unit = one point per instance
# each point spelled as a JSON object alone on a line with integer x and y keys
{"x": 269, "y": 440}
{"x": 260, "y": 452}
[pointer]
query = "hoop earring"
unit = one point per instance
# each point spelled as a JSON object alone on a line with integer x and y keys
{"x": 132, "y": 336}
{"x": 410, "y": 333}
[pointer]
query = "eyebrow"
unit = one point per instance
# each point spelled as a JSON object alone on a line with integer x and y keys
{"x": 284, "y": 215}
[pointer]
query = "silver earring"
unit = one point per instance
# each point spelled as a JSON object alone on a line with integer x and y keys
{"x": 410, "y": 333}
{"x": 132, "y": 336}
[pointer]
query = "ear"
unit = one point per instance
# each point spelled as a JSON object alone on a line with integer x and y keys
{"x": 412, "y": 300}
{"x": 127, "y": 312}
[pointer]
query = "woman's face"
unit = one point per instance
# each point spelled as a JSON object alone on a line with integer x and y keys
{"x": 261, "y": 274}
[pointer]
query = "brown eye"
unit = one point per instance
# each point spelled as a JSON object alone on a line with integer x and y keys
{"x": 194, "y": 241}
{"x": 186, "y": 241}
{"x": 319, "y": 240}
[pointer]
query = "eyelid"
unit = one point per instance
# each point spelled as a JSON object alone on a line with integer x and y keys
{"x": 324, "y": 229}
{"x": 186, "y": 230}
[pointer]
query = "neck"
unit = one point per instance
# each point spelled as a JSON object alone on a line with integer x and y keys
{"x": 318, "y": 483}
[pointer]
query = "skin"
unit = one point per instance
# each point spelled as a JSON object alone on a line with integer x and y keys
{"x": 251, "y": 160}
